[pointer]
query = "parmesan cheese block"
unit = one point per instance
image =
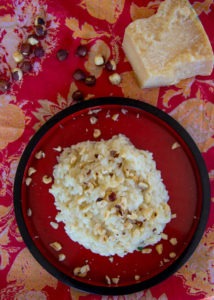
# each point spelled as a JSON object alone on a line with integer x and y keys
{"x": 169, "y": 46}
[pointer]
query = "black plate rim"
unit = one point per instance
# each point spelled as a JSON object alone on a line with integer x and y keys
{"x": 177, "y": 264}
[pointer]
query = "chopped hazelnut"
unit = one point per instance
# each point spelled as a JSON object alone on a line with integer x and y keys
{"x": 99, "y": 60}
{"x": 112, "y": 197}
{"x": 115, "y": 280}
{"x": 124, "y": 111}
{"x": 159, "y": 249}
{"x": 81, "y": 271}
{"x": 54, "y": 225}
{"x": 164, "y": 236}
{"x": 93, "y": 120}
{"x": 18, "y": 57}
{"x": 114, "y": 153}
{"x": 28, "y": 181}
{"x": 56, "y": 246}
{"x": 58, "y": 148}
{"x": 61, "y": 257}
{"x": 31, "y": 171}
{"x": 173, "y": 241}
{"x": 40, "y": 155}
{"x": 108, "y": 280}
{"x": 29, "y": 212}
{"x": 143, "y": 185}
{"x": 175, "y": 146}
{"x": 46, "y": 179}
{"x": 111, "y": 65}
{"x": 32, "y": 40}
{"x": 115, "y": 117}
{"x": 73, "y": 159}
{"x": 111, "y": 259}
{"x": 146, "y": 250}
{"x": 173, "y": 216}
{"x": 115, "y": 79}
{"x": 172, "y": 254}
{"x": 96, "y": 133}
{"x": 17, "y": 74}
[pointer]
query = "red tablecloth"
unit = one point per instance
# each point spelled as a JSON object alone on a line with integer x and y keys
{"x": 48, "y": 88}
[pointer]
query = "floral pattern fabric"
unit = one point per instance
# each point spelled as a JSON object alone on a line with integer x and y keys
{"x": 48, "y": 88}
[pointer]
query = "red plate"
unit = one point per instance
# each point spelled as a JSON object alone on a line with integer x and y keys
{"x": 183, "y": 172}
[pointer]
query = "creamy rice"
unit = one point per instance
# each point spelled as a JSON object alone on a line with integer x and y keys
{"x": 110, "y": 196}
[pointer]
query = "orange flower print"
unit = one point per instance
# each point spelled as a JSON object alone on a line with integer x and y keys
{"x": 12, "y": 124}
{"x": 108, "y": 10}
{"x": 131, "y": 89}
{"x": 197, "y": 117}
{"x": 200, "y": 267}
{"x": 25, "y": 272}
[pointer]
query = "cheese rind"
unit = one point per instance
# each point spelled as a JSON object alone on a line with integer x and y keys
{"x": 169, "y": 46}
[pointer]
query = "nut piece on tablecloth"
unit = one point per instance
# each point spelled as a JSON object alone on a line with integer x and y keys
{"x": 32, "y": 40}
{"x": 25, "y": 49}
{"x": 39, "y": 21}
{"x": 81, "y": 51}
{"x": 62, "y": 54}
{"x": 115, "y": 79}
{"x": 77, "y": 95}
{"x": 90, "y": 80}
{"x": 111, "y": 65}
{"x": 26, "y": 66}
{"x": 79, "y": 75}
{"x": 40, "y": 30}
{"x": 17, "y": 74}
{"x": 18, "y": 57}
{"x": 4, "y": 85}
{"x": 99, "y": 60}
{"x": 39, "y": 51}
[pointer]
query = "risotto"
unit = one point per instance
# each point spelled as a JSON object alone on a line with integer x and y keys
{"x": 110, "y": 196}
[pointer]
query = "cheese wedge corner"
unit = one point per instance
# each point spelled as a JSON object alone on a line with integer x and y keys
{"x": 169, "y": 46}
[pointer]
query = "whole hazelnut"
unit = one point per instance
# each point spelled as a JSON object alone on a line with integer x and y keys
{"x": 40, "y": 30}
{"x": 39, "y": 51}
{"x": 79, "y": 75}
{"x": 26, "y": 66}
{"x": 39, "y": 21}
{"x": 81, "y": 51}
{"x": 62, "y": 54}
{"x": 4, "y": 85}
{"x": 77, "y": 96}
{"x": 90, "y": 80}
{"x": 25, "y": 49}
{"x": 17, "y": 74}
